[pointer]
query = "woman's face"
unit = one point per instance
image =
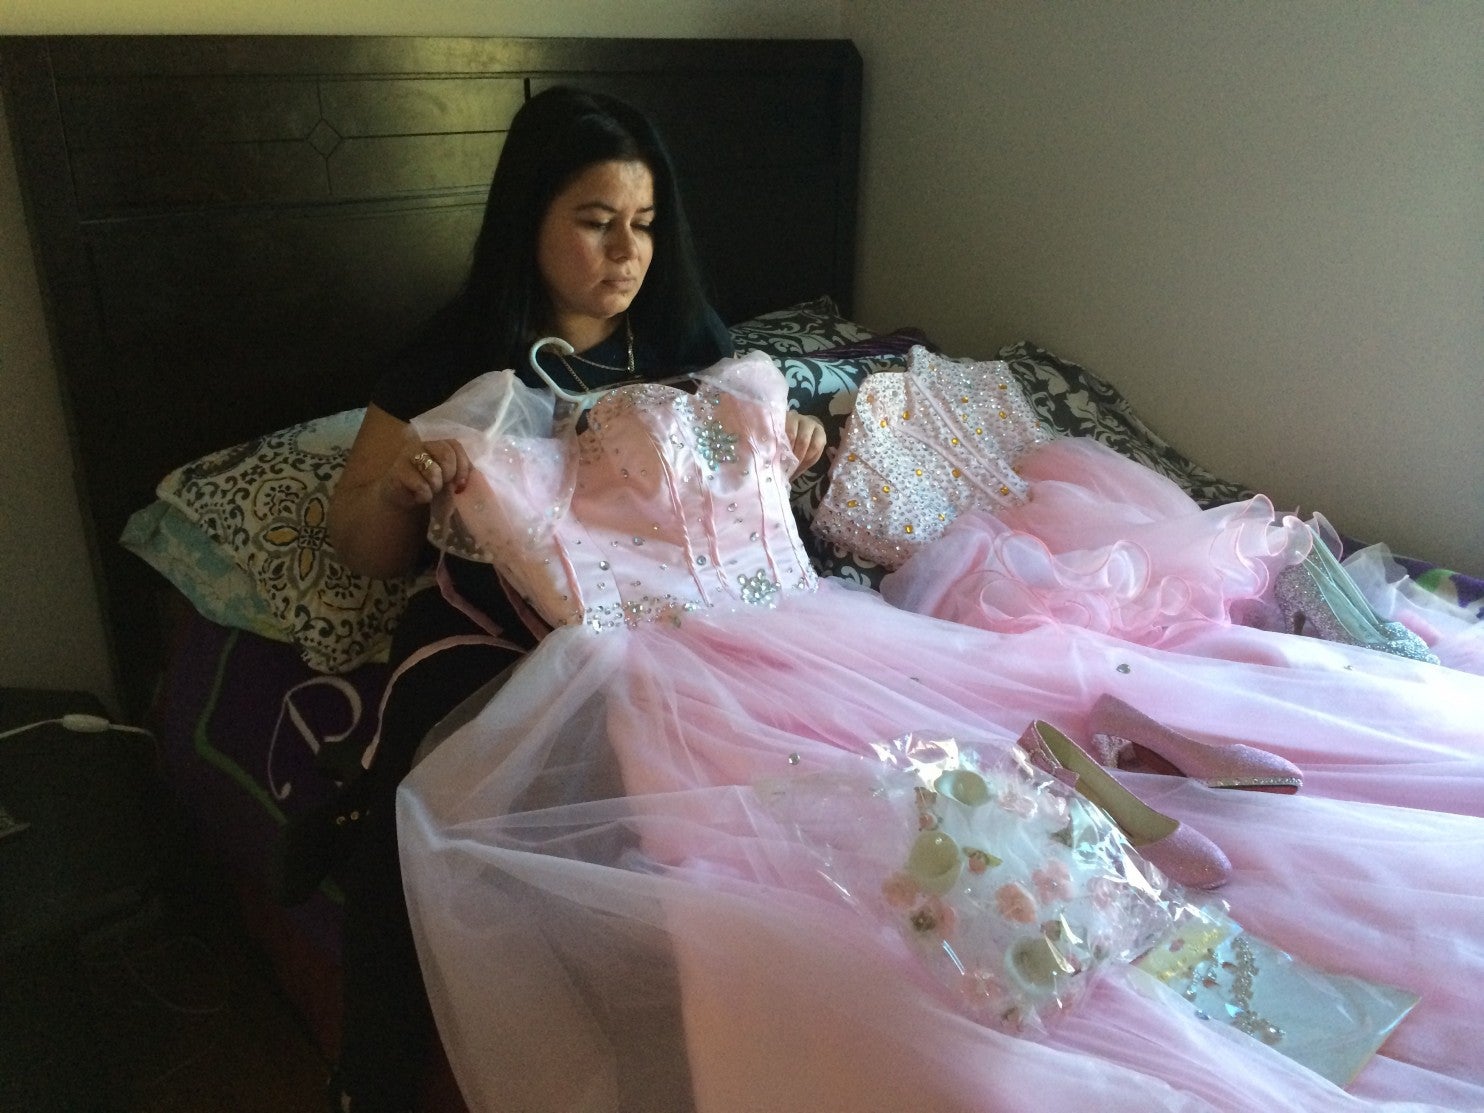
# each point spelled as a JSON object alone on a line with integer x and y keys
{"x": 594, "y": 247}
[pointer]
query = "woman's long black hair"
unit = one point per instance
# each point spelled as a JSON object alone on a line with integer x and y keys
{"x": 554, "y": 137}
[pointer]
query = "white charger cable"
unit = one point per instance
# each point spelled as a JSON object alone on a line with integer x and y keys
{"x": 78, "y": 722}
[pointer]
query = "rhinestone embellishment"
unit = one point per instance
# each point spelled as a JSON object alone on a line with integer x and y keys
{"x": 758, "y": 590}
{"x": 955, "y": 457}
{"x": 715, "y": 445}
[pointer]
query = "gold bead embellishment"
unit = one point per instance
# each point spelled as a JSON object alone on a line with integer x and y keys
{"x": 907, "y": 528}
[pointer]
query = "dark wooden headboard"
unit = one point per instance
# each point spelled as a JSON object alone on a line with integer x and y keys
{"x": 232, "y": 233}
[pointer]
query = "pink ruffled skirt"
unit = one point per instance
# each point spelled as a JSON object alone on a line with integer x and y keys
{"x": 1105, "y": 544}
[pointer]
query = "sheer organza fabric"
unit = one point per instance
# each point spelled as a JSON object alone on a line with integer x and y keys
{"x": 1452, "y": 631}
{"x": 610, "y": 919}
{"x": 611, "y": 916}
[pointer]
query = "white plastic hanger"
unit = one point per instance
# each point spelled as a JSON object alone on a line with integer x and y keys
{"x": 585, "y": 400}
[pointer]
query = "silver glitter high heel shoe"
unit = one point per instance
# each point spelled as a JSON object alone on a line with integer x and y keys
{"x": 1320, "y": 593}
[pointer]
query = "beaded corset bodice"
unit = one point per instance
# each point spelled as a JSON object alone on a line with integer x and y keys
{"x": 921, "y": 447}
{"x": 668, "y": 501}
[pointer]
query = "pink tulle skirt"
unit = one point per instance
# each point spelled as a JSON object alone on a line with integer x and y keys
{"x": 1454, "y": 632}
{"x": 610, "y": 915}
{"x": 1103, "y": 543}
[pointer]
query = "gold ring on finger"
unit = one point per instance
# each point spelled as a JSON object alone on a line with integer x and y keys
{"x": 424, "y": 461}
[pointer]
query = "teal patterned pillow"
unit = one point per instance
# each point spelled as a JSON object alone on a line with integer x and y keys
{"x": 175, "y": 547}
{"x": 263, "y": 506}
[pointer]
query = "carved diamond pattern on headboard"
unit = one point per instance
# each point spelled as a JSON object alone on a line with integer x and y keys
{"x": 186, "y": 141}
{"x": 324, "y": 138}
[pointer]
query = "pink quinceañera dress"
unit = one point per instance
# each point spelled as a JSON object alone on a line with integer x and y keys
{"x": 613, "y": 912}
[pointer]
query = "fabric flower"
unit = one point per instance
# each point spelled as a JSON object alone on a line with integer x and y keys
{"x": 980, "y": 860}
{"x": 1104, "y": 892}
{"x": 933, "y": 917}
{"x": 1016, "y": 803}
{"x": 1015, "y": 904}
{"x": 900, "y": 891}
{"x": 1052, "y": 882}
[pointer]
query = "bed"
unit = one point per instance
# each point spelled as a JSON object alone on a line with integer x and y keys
{"x": 232, "y": 234}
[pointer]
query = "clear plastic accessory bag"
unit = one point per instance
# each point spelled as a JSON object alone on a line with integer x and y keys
{"x": 1013, "y": 889}
{"x": 1331, "y": 1023}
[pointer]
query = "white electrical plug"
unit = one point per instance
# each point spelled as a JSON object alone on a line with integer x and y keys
{"x": 78, "y": 722}
{"x": 85, "y": 724}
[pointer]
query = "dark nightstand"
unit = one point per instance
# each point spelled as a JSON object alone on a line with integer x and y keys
{"x": 87, "y": 858}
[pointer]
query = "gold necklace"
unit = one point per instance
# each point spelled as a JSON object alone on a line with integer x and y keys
{"x": 628, "y": 336}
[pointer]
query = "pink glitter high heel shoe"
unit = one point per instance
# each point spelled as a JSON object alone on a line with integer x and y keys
{"x": 1125, "y": 737}
{"x": 1184, "y": 855}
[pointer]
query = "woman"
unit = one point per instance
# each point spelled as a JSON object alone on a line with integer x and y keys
{"x": 584, "y": 238}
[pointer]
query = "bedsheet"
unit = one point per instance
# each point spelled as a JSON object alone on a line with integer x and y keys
{"x": 251, "y": 736}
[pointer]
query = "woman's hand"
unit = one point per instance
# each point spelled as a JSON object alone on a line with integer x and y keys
{"x": 421, "y": 469}
{"x": 379, "y": 508}
{"x": 806, "y": 437}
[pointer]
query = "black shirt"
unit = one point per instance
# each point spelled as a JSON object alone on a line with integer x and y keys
{"x": 429, "y": 370}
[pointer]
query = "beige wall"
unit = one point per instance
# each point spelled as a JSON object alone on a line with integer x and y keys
{"x": 660, "y": 19}
{"x": 1264, "y": 221}
{"x": 50, "y": 628}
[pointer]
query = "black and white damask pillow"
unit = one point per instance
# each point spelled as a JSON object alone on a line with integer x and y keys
{"x": 1073, "y": 401}
{"x": 811, "y": 326}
